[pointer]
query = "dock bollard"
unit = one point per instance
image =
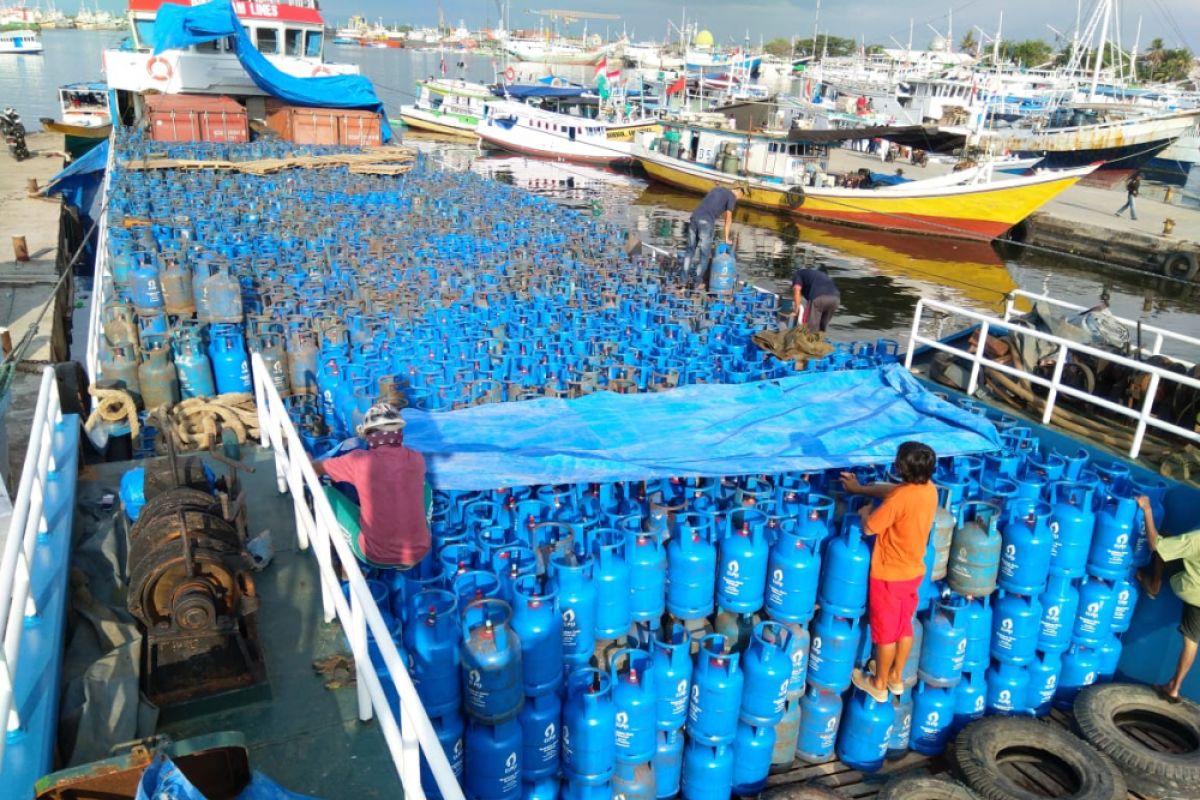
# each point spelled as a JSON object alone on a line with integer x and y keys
{"x": 1168, "y": 226}
{"x": 20, "y": 249}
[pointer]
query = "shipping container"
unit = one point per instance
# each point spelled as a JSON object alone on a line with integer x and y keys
{"x": 196, "y": 118}
{"x": 359, "y": 128}
{"x": 303, "y": 125}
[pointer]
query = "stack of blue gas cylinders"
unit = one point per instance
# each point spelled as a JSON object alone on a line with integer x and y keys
{"x": 687, "y": 636}
{"x": 436, "y": 290}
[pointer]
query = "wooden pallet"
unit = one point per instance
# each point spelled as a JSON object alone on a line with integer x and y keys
{"x": 852, "y": 783}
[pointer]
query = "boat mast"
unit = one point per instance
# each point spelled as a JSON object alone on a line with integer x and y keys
{"x": 816, "y": 23}
{"x": 1100, "y": 48}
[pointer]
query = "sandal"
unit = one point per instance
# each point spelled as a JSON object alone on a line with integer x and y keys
{"x": 863, "y": 681}
{"x": 1161, "y": 691}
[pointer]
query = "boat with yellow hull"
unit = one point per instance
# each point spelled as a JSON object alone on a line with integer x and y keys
{"x": 980, "y": 210}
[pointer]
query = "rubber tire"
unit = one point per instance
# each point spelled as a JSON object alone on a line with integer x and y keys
{"x": 794, "y": 197}
{"x": 1181, "y": 265}
{"x": 804, "y": 791}
{"x": 1146, "y": 771}
{"x": 73, "y": 394}
{"x": 925, "y": 787}
{"x": 978, "y": 744}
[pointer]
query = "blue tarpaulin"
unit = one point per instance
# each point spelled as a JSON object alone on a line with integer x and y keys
{"x": 179, "y": 26}
{"x": 809, "y": 422}
{"x": 79, "y": 182}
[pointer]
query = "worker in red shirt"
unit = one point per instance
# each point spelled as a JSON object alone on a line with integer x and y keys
{"x": 390, "y": 481}
{"x": 902, "y": 524}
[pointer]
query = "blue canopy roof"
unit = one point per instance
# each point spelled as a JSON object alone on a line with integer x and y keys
{"x": 182, "y": 26}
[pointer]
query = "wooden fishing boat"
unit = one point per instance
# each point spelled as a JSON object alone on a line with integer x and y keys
{"x": 84, "y": 116}
{"x": 447, "y": 106}
{"x": 785, "y": 173}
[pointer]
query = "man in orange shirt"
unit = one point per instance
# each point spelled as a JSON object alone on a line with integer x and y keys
{"x": 901, "y": 526}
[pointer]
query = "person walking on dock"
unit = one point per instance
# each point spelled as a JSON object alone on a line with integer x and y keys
{"x": 901, "y": 525}
{"x": 1183, "y": 552}
{"x": 701, "y": 228}
{"x": 1132, "y": 184}
{"x": 392, "y": 493}
{"x": 815, "y": 287}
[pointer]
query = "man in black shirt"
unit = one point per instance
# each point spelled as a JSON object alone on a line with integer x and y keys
{"x": 817, "y": 289}
{"x": 702, "y": 227}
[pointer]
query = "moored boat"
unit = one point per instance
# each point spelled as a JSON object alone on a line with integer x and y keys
{"x": 84, "y": 117}
{"x": 785, "y": 174}
{"x": 20, "y": 42}
{"x": 522, "y": 128}
{"x": 447, "y": 106}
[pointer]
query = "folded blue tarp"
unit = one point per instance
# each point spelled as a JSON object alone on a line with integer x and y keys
{"x": 179, "y": 26}
{"x": 810, "y": 422}
{"x": 79, "y": 182}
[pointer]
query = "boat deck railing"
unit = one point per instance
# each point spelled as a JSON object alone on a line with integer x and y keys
{"x": 102, "y": 282}
{"x": 33, "y": 590}
{"x": 1142, "y": 415}
{"x": 1161, "y": 335}
{"x": 412, "y": 736}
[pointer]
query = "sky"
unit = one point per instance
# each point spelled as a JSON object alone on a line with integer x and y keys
{"x": 1176, "y": 21}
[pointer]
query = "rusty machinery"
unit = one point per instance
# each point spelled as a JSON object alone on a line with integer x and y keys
{"x": 190, "y": 582}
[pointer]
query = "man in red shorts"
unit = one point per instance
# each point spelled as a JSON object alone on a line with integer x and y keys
{"x": 901, "y": 524}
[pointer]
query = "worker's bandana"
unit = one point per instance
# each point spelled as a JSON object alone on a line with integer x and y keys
{"x": 385, "y": 438}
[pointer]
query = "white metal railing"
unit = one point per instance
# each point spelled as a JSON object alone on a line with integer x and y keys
{"x": 317, "y": 528}
{"x": 101, "y": 280}
{"x": 1160, "y": 334}
{"x": 1143, "y": 415}
{"x": 18, "y": 604}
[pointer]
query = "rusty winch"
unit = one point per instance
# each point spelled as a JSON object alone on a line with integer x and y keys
{"x": 190, "y": 583}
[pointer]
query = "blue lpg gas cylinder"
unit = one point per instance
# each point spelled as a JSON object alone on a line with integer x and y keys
{"x": 491, "y": 661}
{"x": 865, "y": 731}
{"x": 634, "y": 781}
{"x": 723, "y": 271}
{"x": 458, "y": 558}
{"x": 540, "y": 726}
{"x": 538, "y": 626}
{"x": 1008, "y": 689}
{"x": 975, "y": 550}
{"x": 902, "y": 728}
{"x": 717, "y": 683}
{"x": 510, "y": 563}
{"x": 230, "y": 364}
{"x": 450, "y": 730}
{"x": 944, "y": 644}
{"x": 1060, "y": 603}
{"x": 793, "y": 573}
{"x": 668, "y": 764}
{"x": 831, "y": 651}
{"x": 147, "y": 292}
{"x": 933, "y": 718}
{"x": 787, "y": 733}
{"x": 672, "y": 657}
{"x": 767, "y": 667}
{"x": 1080, "y": 668}
{"x": 742, "y": 571}
{"x": 975, "y": 615}
{"x": 494, "y": 755}
{"x": 970, "y": 698}
{"x": 1156, "y": 489}
{"x": 588, "y": 728}
{"x": 752, "y": 758}
{"x": 1072, "y": 521}
{"x": 820, "y": 714}
{"x": 845, "y": 570}
{"x": 1043, "y": 682}
{"x": 944, "y": 522}
{"x": 1125, "y": 596}
{"x": 908, "y": 676}
{"x": 194, "y": 368}
{"x": 572, "y": 576}
{"x": 632, "y": 675}
{"x": 691, "y": 567}
{"x": 1025, "y": 558}
{"x": 610, "y": 571}
{"x": 798, "y": 654}
{"x": 432, "y": 640}
{"x": 475, "y": 584}
{"x": 1015, "y": 622}
{"x": 1093, "y": 620}
{"x": 540, "y": 789}
{"x": 1108, "y": 654}
{"x": 1111, "y": 553}
{"x": 647, "y": 574}
{"x": 707, "y": 771}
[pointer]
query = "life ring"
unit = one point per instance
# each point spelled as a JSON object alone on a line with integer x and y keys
{"x": 510, "y": 75}
{"x": 1181, "y": 265}
{"x": 794, "y": 197}
{"x": 321, "y": 69}
{"x": 160, "y": 75}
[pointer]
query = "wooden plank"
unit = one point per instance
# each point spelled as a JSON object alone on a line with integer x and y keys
{"x": 1037, "y": 778}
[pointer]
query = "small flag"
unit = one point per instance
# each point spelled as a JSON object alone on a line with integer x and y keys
{"x": 601, "y": 68}
{"x": 677, "y": 87}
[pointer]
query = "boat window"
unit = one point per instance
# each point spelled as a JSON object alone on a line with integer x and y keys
{"x": 571, "y": 133}
{"x": 293, "y": 41}
{"x": 267, "y": 41}
{"x": 145, "y": 32}
{"x": 312, "y": 44}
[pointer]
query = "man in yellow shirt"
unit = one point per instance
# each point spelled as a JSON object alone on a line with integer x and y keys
{"x": 1185, "y": 582}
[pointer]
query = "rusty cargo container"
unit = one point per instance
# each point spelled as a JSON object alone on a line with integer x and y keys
{"x": 196, "y": 118}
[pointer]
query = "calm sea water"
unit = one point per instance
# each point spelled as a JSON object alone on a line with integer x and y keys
{"x": 880, "y": 276}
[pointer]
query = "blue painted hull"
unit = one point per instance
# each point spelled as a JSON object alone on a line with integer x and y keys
{"x": 1134, "y": 156}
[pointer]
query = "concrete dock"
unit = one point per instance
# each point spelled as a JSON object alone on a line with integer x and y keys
{"x": 27, "y": 286}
